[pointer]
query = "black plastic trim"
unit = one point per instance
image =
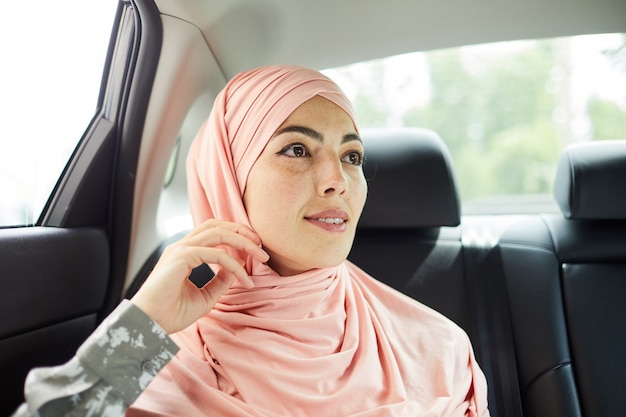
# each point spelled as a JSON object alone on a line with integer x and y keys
{"x": 149, "y": 38}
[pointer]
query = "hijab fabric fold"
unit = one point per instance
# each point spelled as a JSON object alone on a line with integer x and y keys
{"x": 327, "y": 342}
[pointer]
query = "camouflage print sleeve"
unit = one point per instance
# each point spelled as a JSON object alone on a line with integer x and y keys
{"x": 114, "y": 365}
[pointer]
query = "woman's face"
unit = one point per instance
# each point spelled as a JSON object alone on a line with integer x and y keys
{"x": 306, "y": 191}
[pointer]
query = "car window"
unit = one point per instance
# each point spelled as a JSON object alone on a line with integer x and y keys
{"x": 505, "y": 110}
{"x": 52, "y": 64}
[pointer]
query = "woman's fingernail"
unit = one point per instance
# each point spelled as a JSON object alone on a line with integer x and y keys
{"x": 264, "y": 256}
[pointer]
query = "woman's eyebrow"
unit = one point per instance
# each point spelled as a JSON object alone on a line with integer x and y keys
{"x": 307, "y": 131}
{"x": 350, "y": 137}
{"x": 314, "y": 134}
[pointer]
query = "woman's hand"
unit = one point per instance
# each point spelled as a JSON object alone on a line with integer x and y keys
{"x": 171, "y": 299}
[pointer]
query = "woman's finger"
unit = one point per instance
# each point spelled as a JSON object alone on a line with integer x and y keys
{"x": 217, "y": 287}
{"x": 226, "y": 236}
{"x": 213, "y": 224}
{"x": 178, "y": 261}
{"x": 227, "y": 262}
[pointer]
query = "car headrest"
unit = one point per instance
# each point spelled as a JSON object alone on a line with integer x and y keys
{"x": 590, "y": 180}
{"x": 410, "y": 179}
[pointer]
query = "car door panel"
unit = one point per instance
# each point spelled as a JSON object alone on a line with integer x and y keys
{"x": 47, "y": 346}
{"x": 63, "y": 272}
{"x": 54, "y": 283}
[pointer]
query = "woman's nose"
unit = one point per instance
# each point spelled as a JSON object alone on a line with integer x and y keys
{"x": 330, "y": 177}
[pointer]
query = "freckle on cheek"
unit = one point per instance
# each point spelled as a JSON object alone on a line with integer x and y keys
{"x": 291, "y": 170}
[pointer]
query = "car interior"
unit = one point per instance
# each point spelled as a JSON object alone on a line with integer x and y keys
{"x": 540, "y": 294}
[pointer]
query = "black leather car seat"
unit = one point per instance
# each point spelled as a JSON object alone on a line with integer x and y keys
{"x": 590, "y": 242}
{"x": 566, "y": 282}
{"x": 410, "y": 219}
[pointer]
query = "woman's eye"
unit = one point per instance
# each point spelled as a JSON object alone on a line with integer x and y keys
{"x": 354, "y": 158}
{"x": 297, "y": 150}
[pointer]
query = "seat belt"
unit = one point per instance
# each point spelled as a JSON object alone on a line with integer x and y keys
{"x": 491, "y": 323}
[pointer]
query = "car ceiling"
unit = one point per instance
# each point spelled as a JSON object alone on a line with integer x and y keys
{"x": 325, "y": 33}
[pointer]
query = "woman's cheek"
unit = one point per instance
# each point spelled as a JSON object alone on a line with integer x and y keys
{"x": 360, "y": 197}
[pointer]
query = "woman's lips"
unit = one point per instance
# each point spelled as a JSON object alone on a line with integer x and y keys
{"x": 330, "y": 220}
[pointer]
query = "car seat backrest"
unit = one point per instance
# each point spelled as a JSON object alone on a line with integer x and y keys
{"x": 531, "y": 270}
{"x": 410, "y": 218}
{"x": 590, "y": 242}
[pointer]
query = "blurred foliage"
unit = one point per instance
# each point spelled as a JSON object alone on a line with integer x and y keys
{"x": 504, "y": 120}
{"x": 495, "y": 120}
{"x": 608, "y": 120}
{"x": 617, "y": 56}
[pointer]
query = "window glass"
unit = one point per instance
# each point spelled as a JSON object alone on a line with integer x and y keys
{"x": 505, "y": 110}
{"x": 52, "y": 63}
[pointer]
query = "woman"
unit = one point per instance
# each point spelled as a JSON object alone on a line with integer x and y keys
{"x": 288, "y": 326}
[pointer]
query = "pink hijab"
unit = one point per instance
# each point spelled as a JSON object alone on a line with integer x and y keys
{"x": 328, "y": 342}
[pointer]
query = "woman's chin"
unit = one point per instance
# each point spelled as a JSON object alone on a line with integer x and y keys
{"x": 286, "y": 268}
